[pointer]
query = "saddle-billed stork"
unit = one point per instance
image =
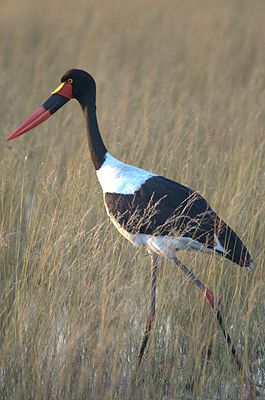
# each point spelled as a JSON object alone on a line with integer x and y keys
{"x": 146, "y": 208}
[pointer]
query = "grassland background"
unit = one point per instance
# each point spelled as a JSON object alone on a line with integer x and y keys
{"x": 181, "y": 91}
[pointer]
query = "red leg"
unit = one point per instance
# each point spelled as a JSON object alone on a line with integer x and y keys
{"x": 209, "y": 295}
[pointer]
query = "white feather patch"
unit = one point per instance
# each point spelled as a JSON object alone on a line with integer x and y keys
{"x": 165, "y": 246}
{"x": 218, "y": 246}
{"x": 117, "y": 177}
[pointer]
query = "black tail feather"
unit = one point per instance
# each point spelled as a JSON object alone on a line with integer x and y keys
{"x": 235, "y": 250}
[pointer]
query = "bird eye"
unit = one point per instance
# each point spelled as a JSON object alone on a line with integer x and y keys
{"x": 70, "y": 80}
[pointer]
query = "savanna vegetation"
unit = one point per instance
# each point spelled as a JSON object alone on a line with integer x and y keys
{"x": 181, "y": 91}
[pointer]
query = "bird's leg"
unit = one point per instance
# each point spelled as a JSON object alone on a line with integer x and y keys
{"x": 151, "y": 315}
{"x": 209, "y": 295}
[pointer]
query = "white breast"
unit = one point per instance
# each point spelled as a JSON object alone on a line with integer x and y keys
{"x": 117, "y": 177}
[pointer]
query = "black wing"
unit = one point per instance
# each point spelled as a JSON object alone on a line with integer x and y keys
{"x": 164, "y": 207}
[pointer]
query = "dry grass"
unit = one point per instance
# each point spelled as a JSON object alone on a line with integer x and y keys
{"x": 181, "y": 90}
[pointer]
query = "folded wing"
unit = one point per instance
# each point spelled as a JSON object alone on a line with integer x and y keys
{"x": 166, "y": 208}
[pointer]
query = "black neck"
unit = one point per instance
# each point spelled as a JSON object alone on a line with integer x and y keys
{"x": 96, "y": 145}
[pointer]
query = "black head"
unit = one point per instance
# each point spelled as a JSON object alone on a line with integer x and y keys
{"x": 83, "y": 84}
{"x": 77, "y": 84}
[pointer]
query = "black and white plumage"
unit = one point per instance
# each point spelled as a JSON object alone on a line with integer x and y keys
{"x": 164, "y": 215}
{"x": 146, "y": 208}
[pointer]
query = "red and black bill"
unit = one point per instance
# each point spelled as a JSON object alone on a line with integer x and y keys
{"x": 59, "y": 97}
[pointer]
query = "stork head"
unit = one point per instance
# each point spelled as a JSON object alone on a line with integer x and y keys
{"x": 83, "y": 85}
{"x": 75, "y": 83}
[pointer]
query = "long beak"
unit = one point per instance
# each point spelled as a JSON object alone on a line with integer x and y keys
{"x": 59, "y": 97}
